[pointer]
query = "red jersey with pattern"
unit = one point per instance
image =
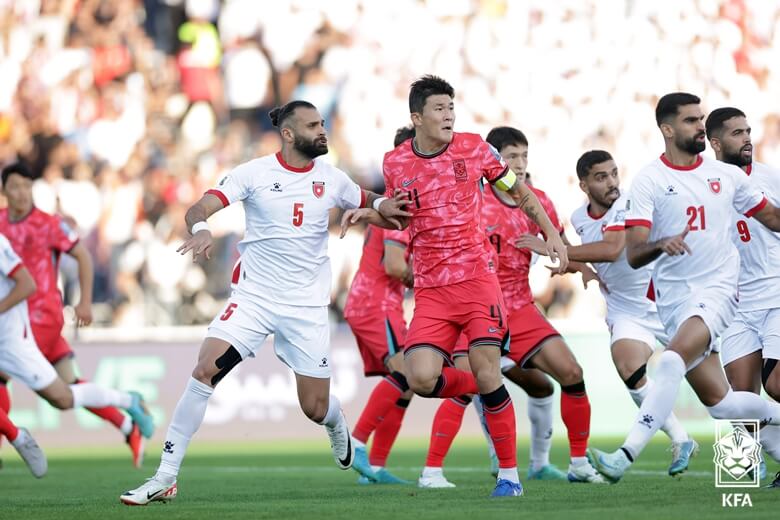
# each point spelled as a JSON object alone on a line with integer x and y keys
{"x": 503, "y": 226}
{"x": 372, "y": 288}
{"x": 39, "y": 239}
{"x": 448, "y": 242}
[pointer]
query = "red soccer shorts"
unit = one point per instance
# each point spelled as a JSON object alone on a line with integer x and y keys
{"x": 474, "y": 307}
{"x": 51, "y": 343}
{"x": 528, "y": 330}
{"x": 379, "y": 336}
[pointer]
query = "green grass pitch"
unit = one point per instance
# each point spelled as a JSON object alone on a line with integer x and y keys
{"x": 300, "y": 480}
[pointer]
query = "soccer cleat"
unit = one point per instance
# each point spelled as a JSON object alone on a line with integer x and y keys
{"x": 382, "y": 476}
{"x": 341, "y": 443}
{"x": 152, "y": 490}
{"x": 137, "y": 445}
{"x": 140, "y": 415}
{"x": 611, "y": 465}
{"x": 361, "y": 465}
{"x": 494, "y": 465}
{"x": 434, "y": 481}
{"x": 584, "y": 473}
{"x": 761, "y": 470}
{"x": 682, "y": 453}
{"x": 776, "y": 482}
{"x": 547, "y": 472}
{"x": 507, "y": 488}
{"x": 31, "y": 453}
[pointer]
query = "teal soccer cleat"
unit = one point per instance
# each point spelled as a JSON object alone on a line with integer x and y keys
{"x": 382, "y": 476}
{"x": 547, "y": 472}
{"x": 140, "y": 415}
{"x": 611, "y": 465}
{"x": 682, "y": 453}
{"x": 361, "y": 465}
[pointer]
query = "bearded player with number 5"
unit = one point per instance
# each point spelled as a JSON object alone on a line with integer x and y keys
{"x": 679, "y": 212}
{"x": 281, "y": 284}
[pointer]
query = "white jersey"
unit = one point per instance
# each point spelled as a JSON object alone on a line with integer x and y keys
{"x": 14, "y": 323}
{"x": 284, "y": 253}
{"x": 702, "y": 197}
{"x": 627, "y": 287}
{"x": 759, "y": 248}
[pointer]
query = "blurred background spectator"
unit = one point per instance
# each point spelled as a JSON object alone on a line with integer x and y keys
{"x": 128, "y": 110}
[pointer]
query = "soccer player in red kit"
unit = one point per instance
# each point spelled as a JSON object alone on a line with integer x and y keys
{"x": 374, "y": 312}
{"x": 40, "y": 239}
{"x": 456, "y": 289}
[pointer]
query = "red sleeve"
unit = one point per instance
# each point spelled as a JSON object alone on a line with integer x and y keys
{"x": 493, "y": 166}
{"x": 13, "y": 271}
{"x": 638, "y": 222}
{"x": 220, "y": 196}
{"x": 758, "y": 207}
{"x": 62, "y": 237}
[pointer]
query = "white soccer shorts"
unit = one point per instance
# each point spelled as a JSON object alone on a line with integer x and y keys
{"x": 716, "y": 306}
{"x": 752, "y": 331}
{"x": 21, "y": 359}
{"x": 647, "y": 329}
{"x": 301, "y": 334}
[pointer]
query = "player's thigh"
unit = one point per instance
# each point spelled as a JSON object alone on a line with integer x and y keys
{"x": 529, "y": 331}
{"x": 58, "y": 394}
{"x": 379, "y": 338}
{"x": 771, "y": 353}
{"x": 533, "y": 381}
{"x": 744, "y": 373}
{"x": 21, "y": 360}
{"x": 302, "y": 340}
{"x": 66, "y": 369}
{"x": 692, "y": 340}
{"x": 556, "y": 359}
{"x": 629, "y": 355}
{"x": 708, "y": 381}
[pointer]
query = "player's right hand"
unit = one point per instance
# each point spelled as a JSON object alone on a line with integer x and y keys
{"x": 392, "y": 209}
{"x": 199, "y": 243}
{"x": 352, "y": 217}
{"x": 674, "y": 246}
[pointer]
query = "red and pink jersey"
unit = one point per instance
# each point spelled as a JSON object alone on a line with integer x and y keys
{"x": 448, "y": 243}
{"x": 373, "y": 290}
{"x": 503, "y": 226}
{"x": 39, "y": 239}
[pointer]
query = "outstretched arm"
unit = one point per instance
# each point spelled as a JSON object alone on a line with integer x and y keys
{"x": 200, "y": 241}
{"x": 769, "y": 216}
{"x": 24, "y": 287}
{"x": 640, "y": 252}
{"x": 86, "y": 279}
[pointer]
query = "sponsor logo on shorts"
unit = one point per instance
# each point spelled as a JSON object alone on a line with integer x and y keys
{"x": 324, "y": 363}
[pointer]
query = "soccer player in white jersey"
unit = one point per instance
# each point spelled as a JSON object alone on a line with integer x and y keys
{"x": 21, "y": 359}
{"x": 281, "y": 283}
{"x": 632, "y": 319}
{"x": 679, "y": 214}
{"x": 751, "y": 345}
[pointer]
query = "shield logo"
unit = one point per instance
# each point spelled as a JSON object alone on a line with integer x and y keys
{"x": 318, "y": 188}
{"x": 714, "y": 185}
{"x": 459, "y": 167}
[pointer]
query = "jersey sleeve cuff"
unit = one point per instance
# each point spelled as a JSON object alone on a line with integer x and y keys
{"x": 638, "y": 222}
{"x": 618, "y": 227}
{"x": 758, "y": 207}
{"x": 220, "y": 196}
{"x": 363, "y": 198}
{"x": 15, "y": 269}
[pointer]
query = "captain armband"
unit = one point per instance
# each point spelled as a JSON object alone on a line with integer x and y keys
{"x": 506, "y": 181}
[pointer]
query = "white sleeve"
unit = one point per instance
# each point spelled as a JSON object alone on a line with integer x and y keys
{"x": 9, "y": 260}
{"x": 234, "y": 186}
{"x": 640, "y": 203}
{"x": 748, "y": 199}
{"x": 349, "y": 194}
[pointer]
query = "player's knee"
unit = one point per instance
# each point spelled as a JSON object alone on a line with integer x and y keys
{"x": 633, "y": 379}
{"x": 770, "y": 377}
{"x": 571, "y": 375}
{"x": 726, "y": 408}
{"x": 315, "y": 408}
{"x": 423, "y": 385}
{"x": 61, "y": 400}
{"x": 488, "y": 379}
{"x": 540, "y": 390}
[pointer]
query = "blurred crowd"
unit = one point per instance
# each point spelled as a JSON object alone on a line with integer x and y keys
{"x": 128, "y": 110}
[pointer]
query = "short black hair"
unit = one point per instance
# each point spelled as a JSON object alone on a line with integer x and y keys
{"x": 502, "y": 136}
{"x": 279, "y": 114}
{"x": 590, "y": 159}
{"x": 19, "y": 169}
{"x": 402, "y": 134}
{"x": 425, "y": 87}
{"x": 669, "y": 105}
{"x": 714, "y": 123}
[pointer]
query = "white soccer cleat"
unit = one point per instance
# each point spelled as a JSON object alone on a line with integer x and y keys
{"x": 584, "y": 473}
{"x": 31, "y": 453}
{"x": 611, "y": 465}
{"x": 152, "y": 490}
{"x": 341, "y": 443}
{"x": 434, "y": 481}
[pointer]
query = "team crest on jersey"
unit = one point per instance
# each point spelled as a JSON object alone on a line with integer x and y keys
{"x": 318, "y": 188}
{"x": 459, "y": 167}
{"x": 714, "y": 185}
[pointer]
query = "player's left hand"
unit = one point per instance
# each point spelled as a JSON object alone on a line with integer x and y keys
{"x": 392, "y": 209}
{"x": 83, "y": 314}
{"x": 532, "y": 242}
{"x": 556, "y": 250}
{"x": 589, "y": 275}
{"x": 352, "y": 217}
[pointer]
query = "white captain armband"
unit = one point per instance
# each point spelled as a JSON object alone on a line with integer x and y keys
{"x": 506, "y": 181}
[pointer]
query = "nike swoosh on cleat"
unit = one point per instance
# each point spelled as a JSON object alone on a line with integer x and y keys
{"x": 149, "y": 496}
{"x": 345, "y": 461}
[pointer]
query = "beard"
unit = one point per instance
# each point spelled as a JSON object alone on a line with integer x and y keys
{"x": 605, "y": 200}
{"x": 310, "y": 149}
{"x": 693, "y": 146}
{"x": 736, "y": 158}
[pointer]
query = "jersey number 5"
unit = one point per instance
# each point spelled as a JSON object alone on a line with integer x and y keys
{"x": 297, "y": 214}
{"x": 695, "y": 214}
{"x": 228, "y": 312}
{"x": 744, "y": 232}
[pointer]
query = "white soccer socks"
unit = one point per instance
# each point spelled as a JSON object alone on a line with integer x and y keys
{"x": 657, "y": 404}
{"x": 333, "y": 417}
{"x": 672, "y": 426}
{"x": 540, "y": 416}
{"x": 95, "y": 396}
{"x": 187, "y": 418}
{"x": 746, "y": 405}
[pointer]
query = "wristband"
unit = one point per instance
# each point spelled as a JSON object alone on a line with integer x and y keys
{"x": 199, "y": 226}
{"x": 377, "y": 202}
